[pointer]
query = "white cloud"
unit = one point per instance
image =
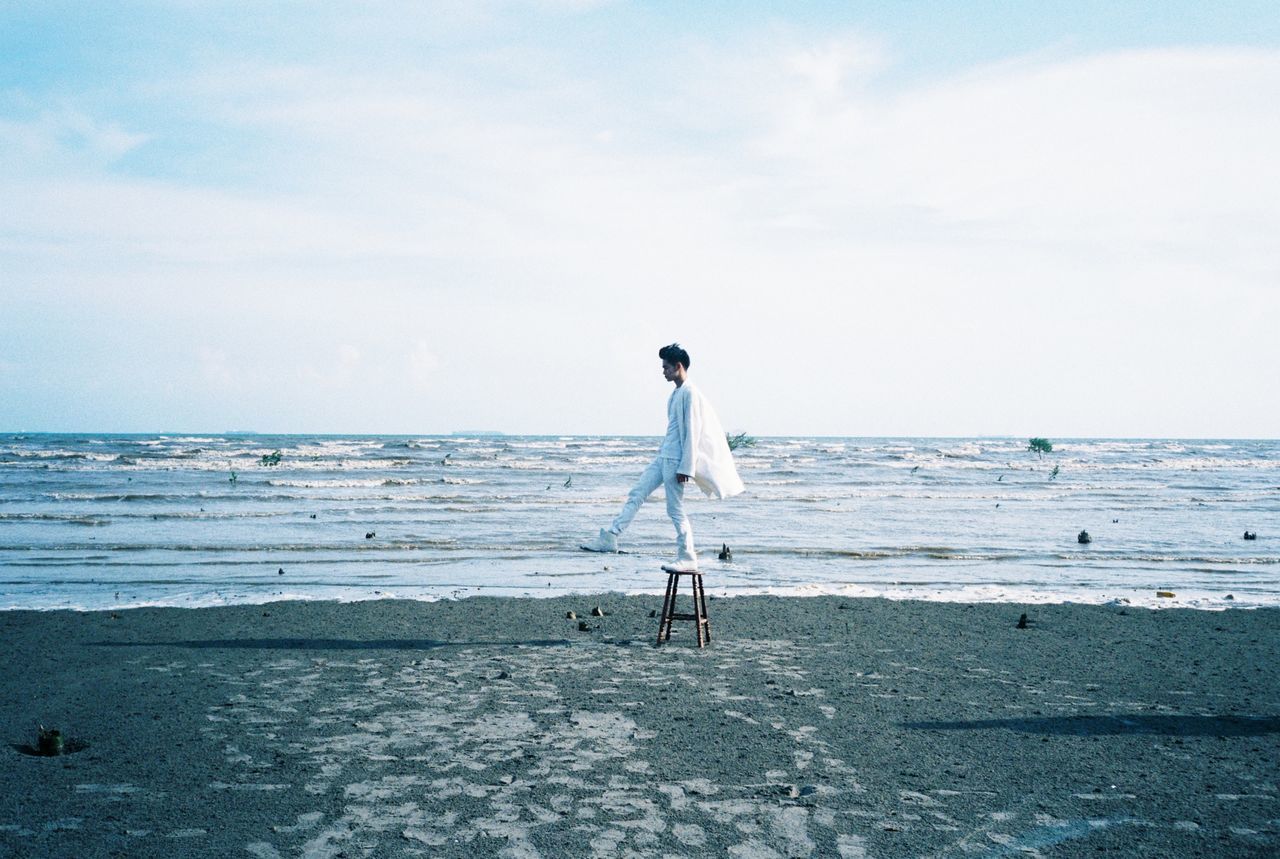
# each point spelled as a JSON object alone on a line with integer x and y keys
{"x": 66, "y": 138}
{"x": 1152, "y": 147}
{"x": 830, "y": 68}
{"x": 156, "y": 222}
{"x": 1135, "y": 146}
{"x": 920, "y": 238}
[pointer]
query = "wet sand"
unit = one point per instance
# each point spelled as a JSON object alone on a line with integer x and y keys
{"x": 495, "y": 727}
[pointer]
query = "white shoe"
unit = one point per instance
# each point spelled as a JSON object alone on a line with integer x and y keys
{"x": 605, "y": 541}
{"x": 683, "y": 564}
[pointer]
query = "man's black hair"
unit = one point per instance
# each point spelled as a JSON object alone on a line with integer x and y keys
{"x": 675, "y": 354}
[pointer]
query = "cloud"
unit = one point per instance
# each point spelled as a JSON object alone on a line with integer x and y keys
{"x": 829, "y": 68}
{"x": 1116, "y": 146}
{"x": 781, "y": 186}
{"x": 64, "y": 138}
{"x": 792, "y": 147}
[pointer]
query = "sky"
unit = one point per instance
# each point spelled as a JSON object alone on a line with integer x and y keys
{"x": 861, "y": 219}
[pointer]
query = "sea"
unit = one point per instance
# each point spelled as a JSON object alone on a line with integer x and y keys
{"x": 114, "y": 521}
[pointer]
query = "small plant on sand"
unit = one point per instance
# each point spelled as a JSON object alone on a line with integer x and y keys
{"x": 1040, "y": 446}
{"x": 272, "y": 458}
{"x": 1054, "y": 473}
{"x": 739, "y": 440}
{"x": 233, "y": 477}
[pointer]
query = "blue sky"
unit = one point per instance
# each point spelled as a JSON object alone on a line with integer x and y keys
{"x": 861, "y": 219}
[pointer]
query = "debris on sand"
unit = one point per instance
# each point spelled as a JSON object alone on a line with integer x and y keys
{"x": 49, "y": 742}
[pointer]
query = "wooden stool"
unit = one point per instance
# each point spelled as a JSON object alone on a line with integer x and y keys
{"x": 699, "y": 617}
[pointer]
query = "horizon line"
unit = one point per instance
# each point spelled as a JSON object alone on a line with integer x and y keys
{"x": 501, "y": 434}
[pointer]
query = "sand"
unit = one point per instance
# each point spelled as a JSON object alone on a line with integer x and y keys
{"x": 494, "y": 727}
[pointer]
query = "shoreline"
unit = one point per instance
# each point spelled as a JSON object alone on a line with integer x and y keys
{"x": 493, "y": 726}
{"x": 989, "y": 594}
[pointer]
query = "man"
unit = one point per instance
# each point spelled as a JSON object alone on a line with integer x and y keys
{"x": 693, "y": 449}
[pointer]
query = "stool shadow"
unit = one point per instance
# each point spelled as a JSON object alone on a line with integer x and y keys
{"x": 329, "y": 643}
{"x": 1116, "y": 725}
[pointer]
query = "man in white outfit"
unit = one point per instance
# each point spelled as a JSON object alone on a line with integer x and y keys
{"x": 694, "y": 449}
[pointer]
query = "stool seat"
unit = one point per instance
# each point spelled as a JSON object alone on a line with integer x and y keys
{"x": 699, "y": 615}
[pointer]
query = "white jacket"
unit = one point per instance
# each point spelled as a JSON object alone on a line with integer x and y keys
{"x": 705, "y": 455}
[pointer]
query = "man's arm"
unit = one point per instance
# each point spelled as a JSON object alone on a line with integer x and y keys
{"x": 689, "y": 422}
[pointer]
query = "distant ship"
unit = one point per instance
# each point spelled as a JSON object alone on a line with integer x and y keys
{"x": 476, "y": 432}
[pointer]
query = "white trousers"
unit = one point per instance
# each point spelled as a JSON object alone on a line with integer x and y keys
{"x": 661, "y": 472}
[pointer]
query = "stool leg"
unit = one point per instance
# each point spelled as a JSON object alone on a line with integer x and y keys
{"x": 666, "y": 601}
{"x": 702, "y": 600}
{"x": 695, "y": 614}
{"x": 671, "y": 610}
{"x": 664, "y": 622}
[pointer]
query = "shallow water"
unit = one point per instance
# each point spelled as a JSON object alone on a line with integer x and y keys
{"x": 97, "y": 521}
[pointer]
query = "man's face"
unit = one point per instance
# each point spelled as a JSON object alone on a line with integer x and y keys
{"x": 670, "y": 371}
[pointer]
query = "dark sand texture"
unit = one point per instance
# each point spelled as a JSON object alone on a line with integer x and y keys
{"x": 809, "y": 727}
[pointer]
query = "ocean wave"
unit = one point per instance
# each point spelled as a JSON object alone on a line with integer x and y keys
{"x": 218, "y": 462}
{"x": 356, "y": 544}
{"x": 367, "y": 483}
{"x": 872, "y": 554}
{"x": 1126, "y": 556}
{"x": 180, "y": 497}
{"x": 45, "y": 454}
{"x": 68, "y": 518}
{"x": 612, "y": 461}
{"x": 126, "y": 516}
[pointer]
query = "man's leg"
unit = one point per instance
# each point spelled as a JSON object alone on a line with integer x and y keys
{"x": 607, "y": 539}
{"x": 685, "y": 555}
{"x": 650, "y": 480}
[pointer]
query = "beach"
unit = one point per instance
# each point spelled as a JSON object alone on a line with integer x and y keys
{"x": 816, "y": 726}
